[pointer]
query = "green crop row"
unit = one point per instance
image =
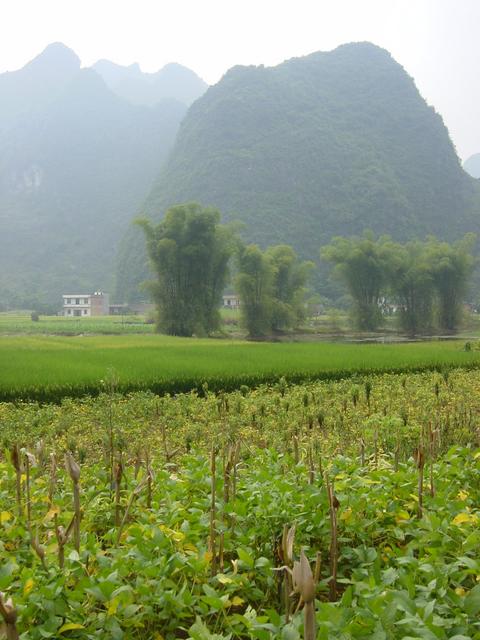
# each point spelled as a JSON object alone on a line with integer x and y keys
{"x": 50, "y": 368}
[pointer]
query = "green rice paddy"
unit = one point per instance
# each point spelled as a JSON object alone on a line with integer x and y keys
{"x": 50, "y": 367}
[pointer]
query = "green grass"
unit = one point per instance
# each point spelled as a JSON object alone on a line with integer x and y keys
{"x": 21, "y": 323}
{"x": 50, "y": 367}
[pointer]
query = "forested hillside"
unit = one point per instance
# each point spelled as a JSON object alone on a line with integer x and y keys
{"x": 327, "y": 144}
{"x": 76, "y": 160}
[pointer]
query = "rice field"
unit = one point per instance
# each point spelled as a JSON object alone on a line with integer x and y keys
{"x": 51, "y": 367}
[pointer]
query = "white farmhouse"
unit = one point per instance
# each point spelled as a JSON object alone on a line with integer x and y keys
{"x": 85, "y": 304}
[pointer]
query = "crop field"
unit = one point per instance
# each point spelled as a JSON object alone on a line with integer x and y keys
{"x": 51, "y": 367}
{"x": 22, "y": 324}
{"x": 342, "y": 509}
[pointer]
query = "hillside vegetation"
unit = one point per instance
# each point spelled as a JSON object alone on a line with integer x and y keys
{"x": 76, "y": 160}
{"x": 328, "y": 144}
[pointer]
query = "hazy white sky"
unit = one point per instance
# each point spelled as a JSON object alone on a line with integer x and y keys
{"x": 437, "y": 41}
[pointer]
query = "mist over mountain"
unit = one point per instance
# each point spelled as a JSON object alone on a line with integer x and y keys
{"x": 76, "y": 160}
{"x": 328, "y": 144}
{"x": 172, "y": 81}
{"x": 472, "y": 165}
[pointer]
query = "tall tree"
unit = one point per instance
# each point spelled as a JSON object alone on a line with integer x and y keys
{"x": 412, "y": 284}
{"x": 289, "y": 279}
{"x": 451, "y": 267}
{"x": 362, "y": 263}
{"x": 189, "y": 252}
{"x": 254, "y": 284}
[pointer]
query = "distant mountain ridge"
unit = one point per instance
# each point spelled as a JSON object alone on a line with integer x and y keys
{"x": 75, "y": 162}
{"x": 172, "y": 81}
{"x": 472, "y": 165}
{"x": 324, "y": 145}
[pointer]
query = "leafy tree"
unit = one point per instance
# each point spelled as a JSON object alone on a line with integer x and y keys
{"x": 255, "y": 285}
{"x": 363, "y": 264}
{"x": 189, "y": 253}
{"x": 290, "y": 277}
{"x": 412, "y": 284}
{"x": 271, "y": 287}
{"x": 451, "y": 266}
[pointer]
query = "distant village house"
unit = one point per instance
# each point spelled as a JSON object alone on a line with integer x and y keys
{"x": 85, "y": 304}
{"x": 231, "y": 301}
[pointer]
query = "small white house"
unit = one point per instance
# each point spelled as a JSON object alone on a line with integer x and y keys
{"x": 85, "y": 304}
{"x": 231, "y": 301}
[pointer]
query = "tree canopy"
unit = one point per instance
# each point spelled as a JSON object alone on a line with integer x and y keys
{"x": 271, "y": 287}
{"x": 427, "y": 280}
{"x": 189, "y": 253}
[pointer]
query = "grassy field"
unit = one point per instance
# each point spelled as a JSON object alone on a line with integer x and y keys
{"x": 49, "y": 367}
{"x": 21, "y": 323}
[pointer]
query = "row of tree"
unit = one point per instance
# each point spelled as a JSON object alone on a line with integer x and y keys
{"x": 427, "y": 280}
{"x": 190, "y": 253}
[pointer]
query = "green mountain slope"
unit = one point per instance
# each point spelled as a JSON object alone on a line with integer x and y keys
{"x": 328, "y": 144}
{"x": 75, "y": 162}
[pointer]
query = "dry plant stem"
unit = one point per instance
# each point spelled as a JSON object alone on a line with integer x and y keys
{"x": 333, "y": 505}
{"x": 9, "y": 615}
{"x": 53, "y": 479}
{"x": 149, "y": 481}
{"x": 304, "y": 584}
{"x": 288, "y": 537}
{"x": 309, "y": 621}
{"x": 311, "y": 472}
{"x": 27, "y": 484}
{"x": 74, "y": 472}
{"x": 432, "y": 457}
{"x": 295, "y": 449}
{"x": 228, "y": 461}
{"x": 18, "y": 478}
{"x": 420, "y": 466}
{"x": 39, "y": 550}
{"x": 397, "y": 456}
{"x": 318, "y": 568}
{"x": 110, "y": 444}
{"x": 62, "y": 539}
{"x": 132, "y": 497}
{"x": 362, "y": 452}
{"x": 76, "y": 507}
{"x": 118, "y": 482}
{"x": 211, "y": 541}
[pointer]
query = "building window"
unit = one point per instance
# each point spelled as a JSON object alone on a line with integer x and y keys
{"x": 85, "y": 312}
{"x": 77, "y": 300}
{"x": 69, "y": 312}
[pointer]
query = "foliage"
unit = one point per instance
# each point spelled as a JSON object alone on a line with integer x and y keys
{"x": 412, "y": 286}
{"x": 363, "y": 263}
{"x": 324, "y": 145}
{"x": 254, "y": 282}
{"x": 189, "y": 253}
{"x": 288, "y": 292}
{"x": 451, "y": 267}
{"x": 189, "y": 561}
{"x": 271, "y": 288}
{"x": 419, "y": 276}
